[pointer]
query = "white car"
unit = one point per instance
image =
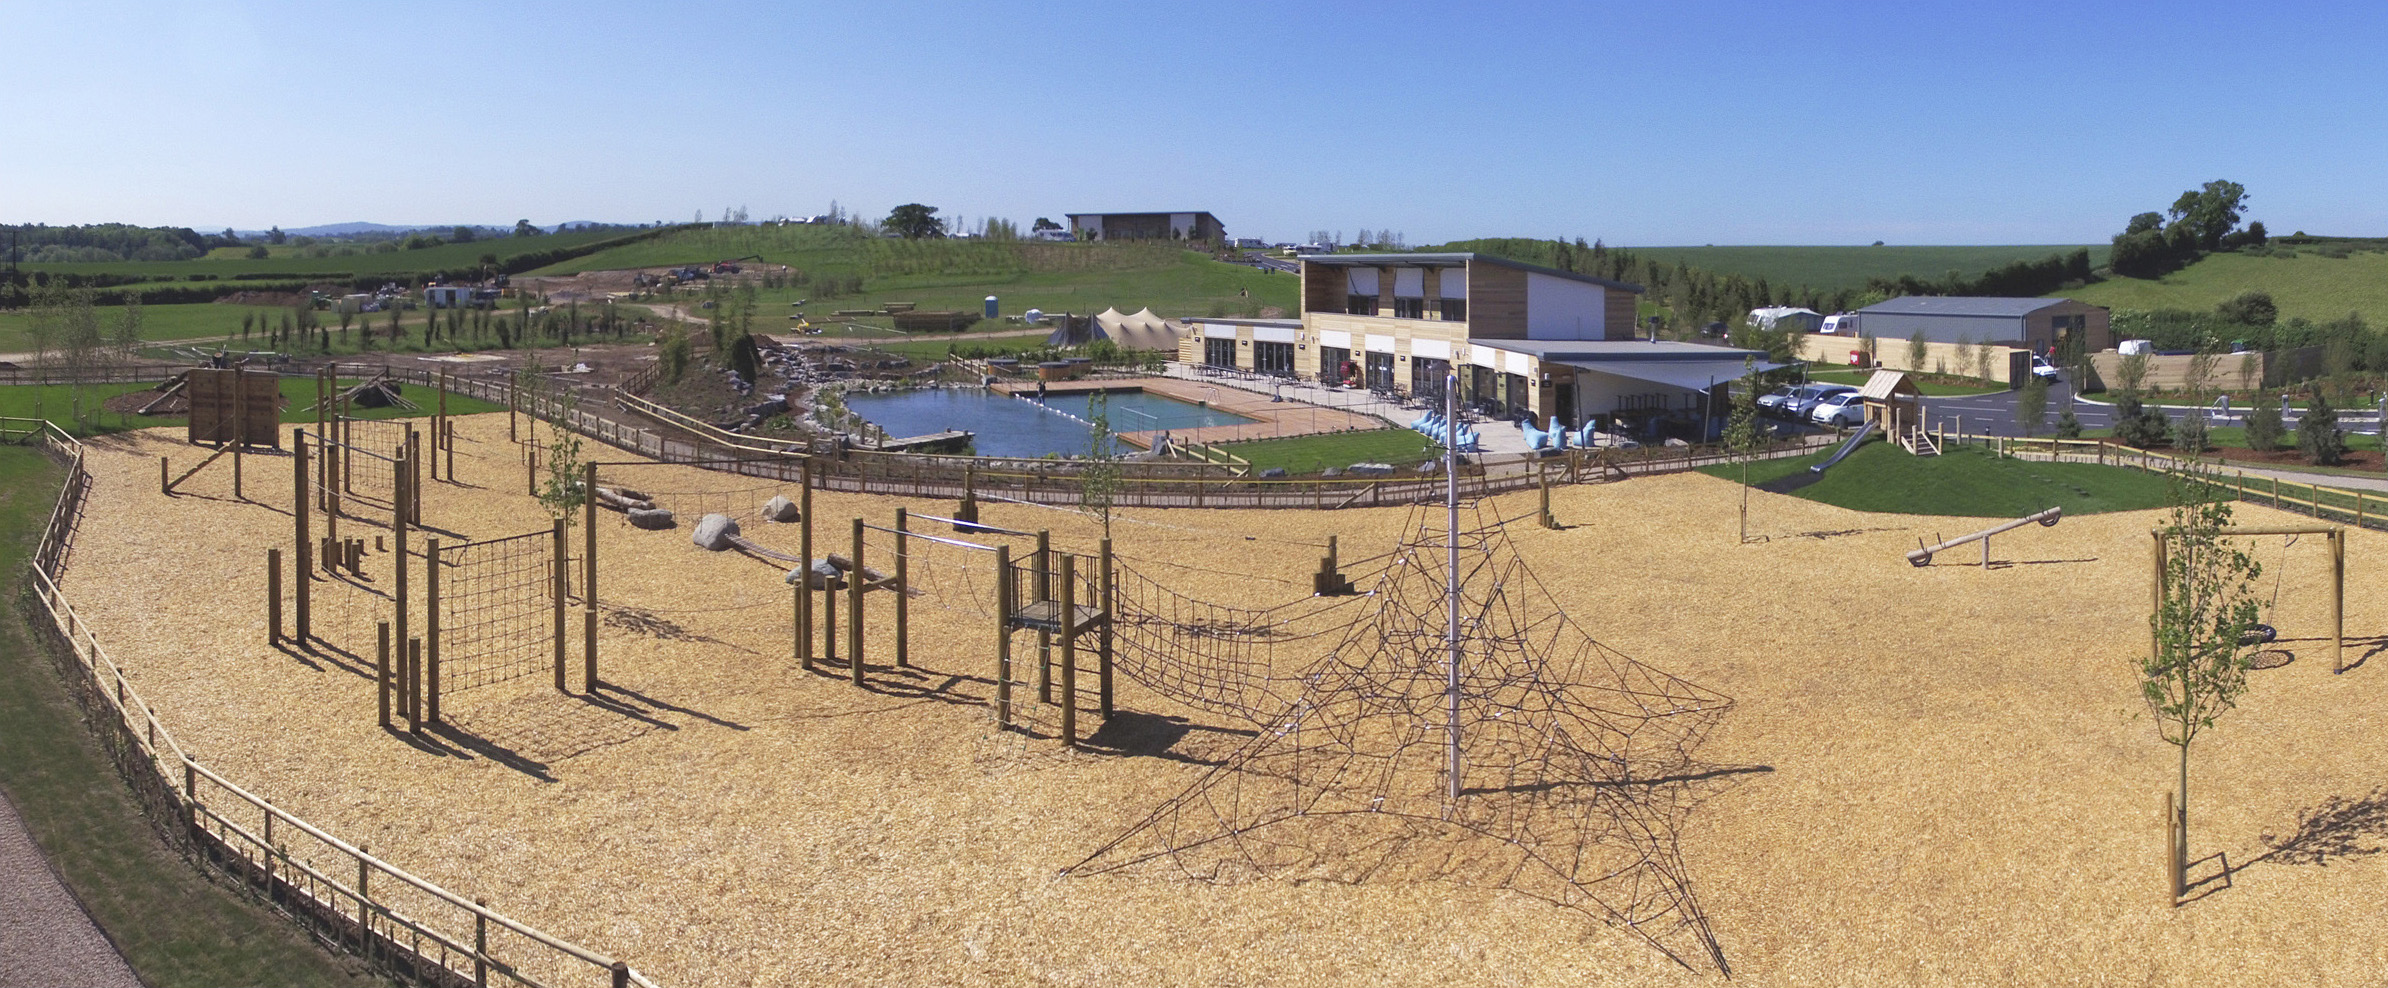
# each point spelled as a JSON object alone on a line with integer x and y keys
{"x": 2042, "y": 369}
{"x": 1846, "y": 408}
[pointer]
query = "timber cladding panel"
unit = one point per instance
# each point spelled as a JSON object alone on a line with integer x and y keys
{"x": 1496, "y": 302}
{"x": 235, "y": 405}
{"x": 1324, "y": 288}
{"x": 1620, "y": 314}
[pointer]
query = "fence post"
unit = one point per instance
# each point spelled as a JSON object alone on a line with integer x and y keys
{"x": 903, "y": 587}
{"x": 401, "y": 597}
{"x": 856, "y": 584}
{"x": 302, "y": 562}
{"x": 1003, "y": 636}
{"x": 273, "y": 596}
{"x": 381, "y": 670}
{"x": 804, "y": 549}
{"x": 1068, "y": 620}
{"x": 588, "y": 580}
{"x": 2338, "y": 600}
{"x": 431, "y": 629}
{"x": 414, "y": 686}
{"x": 165, "y": 486}
{"x": 480, "y": 934}
{"x": 1103, "y": 644}
{"x": 562, "y": 589}
{"x": 1041, "y": 569}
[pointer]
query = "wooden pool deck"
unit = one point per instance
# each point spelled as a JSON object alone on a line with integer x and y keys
{"x": 1270, "y": 419}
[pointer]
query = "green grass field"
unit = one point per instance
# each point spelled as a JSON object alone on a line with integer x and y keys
{"x": 2310, "y": 285}
{"x": 158, "y": 322}
{"x": 174, "y": 925}
{"x": 1829, "y": 268}
{"x": 960, "y": 274}
{"x": 1966, "y": 482}
{"x": 291, "y": 260}
{"x": 56, "y": 402}
{"x": 1310, "y": 454}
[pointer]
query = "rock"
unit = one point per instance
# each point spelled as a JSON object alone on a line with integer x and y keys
{"x": 781, "y": 509}
{"x": 1331, "y": 472}
{"x": 651, "y": 519}
{"x": 1372, "y": 470}
{"x": 714, "y": 532}
{"x": 1273, "y": 473}
{"x": 767, "y": 409}
{"x": 825, "y": 574}
{"x": 1430, "y": 467}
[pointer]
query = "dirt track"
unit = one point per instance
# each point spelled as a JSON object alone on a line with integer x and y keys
{"x": 1961, "y": 786}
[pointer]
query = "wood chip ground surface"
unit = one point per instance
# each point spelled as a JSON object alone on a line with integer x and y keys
{"x": 1964, "y": 786}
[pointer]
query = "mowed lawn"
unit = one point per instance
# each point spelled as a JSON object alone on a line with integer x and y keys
{"x": 1311, "y": 454}
{"x": 57, "y": 402}
{"x": 1966, "y": 481}
{"x": 2310, "y": 285}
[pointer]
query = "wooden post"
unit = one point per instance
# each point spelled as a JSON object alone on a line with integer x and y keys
{"x": 2338, "y": 600}
{"x": 2156, "y": 592}
{"x": 240, "y": 425}
{"x": 2276, "y": 492}
{"x": 439, "y": 429}
{"x": 2176, "y": 852}
{"x": 273, "y": 596}
{"x": 561, "y": 590}
{"x": 165, "y": 486}
{"x": 1069, "y": 650}
{"x": 829, "y": 618}
{"x": 856, "y": 584}
{"x": 414, "y": 686}
{"x": 1548, "y": 521}
{"x": 588, "y": 580}
{"x": 381, "y": 667}
{"x": 448, "y": 442}
{"x": 903, "y": 586}
{"x": 480, "y": 934}
{"x": 1003, "y": 636}
{"x": 1041, "y": 570}
{"x": 804, "y": 549}
{"x": 431, "y": 629}
{"x": 398, "y": 542}
{"x": 1103, "y": 644}
{"x": 302, "y": 567}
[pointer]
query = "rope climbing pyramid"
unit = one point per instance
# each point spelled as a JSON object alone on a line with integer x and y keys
{"x": 1575, "y": 763}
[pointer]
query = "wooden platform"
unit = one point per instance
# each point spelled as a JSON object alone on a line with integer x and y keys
{"x": 1045, "y": 615}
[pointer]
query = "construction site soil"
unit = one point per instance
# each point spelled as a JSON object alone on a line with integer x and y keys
{"x": 1960, "y": 784}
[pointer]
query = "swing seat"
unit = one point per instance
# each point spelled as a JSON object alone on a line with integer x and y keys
{"x": 2262, "y": 634}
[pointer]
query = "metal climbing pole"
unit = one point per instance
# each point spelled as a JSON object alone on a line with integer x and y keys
{"x": 1451, "y": 581}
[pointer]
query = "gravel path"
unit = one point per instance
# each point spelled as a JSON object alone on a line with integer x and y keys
{"x": 45, "y": 938}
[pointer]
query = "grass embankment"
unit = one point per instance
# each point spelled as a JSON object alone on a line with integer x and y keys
{"x": 180, "y": 322}
{"x": 1966, "y": 481}
{"x": 173, "y": 925}
{"x": 2302, "y": 283}
{"x": 1830, "y": 268}
{"x": 57, "y": 401}
{"x": 1311, "y": 454}
{"x": 1935, "y": 388}
{"x": 958, "y": 275}
{"x": 293, "y": 260}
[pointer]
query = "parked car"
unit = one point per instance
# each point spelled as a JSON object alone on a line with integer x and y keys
{"x": 1811, "y": 396}
{"x": 2042, "y": 369}
{"x": 1771, "y": 403}
{"x": 1846, "y": 408}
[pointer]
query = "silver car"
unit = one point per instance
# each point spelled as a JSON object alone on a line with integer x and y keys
{"x": 1846, "y": 408}
{"x": 1809, "y": 397}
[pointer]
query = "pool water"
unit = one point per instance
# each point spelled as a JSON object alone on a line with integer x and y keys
{"x": 1022, "y": 427}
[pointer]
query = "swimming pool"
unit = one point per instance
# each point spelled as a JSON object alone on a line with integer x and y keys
{"x": 1022, "y": 427}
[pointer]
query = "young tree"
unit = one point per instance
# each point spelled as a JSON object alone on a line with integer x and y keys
{"x": 675, "y": 352}
{"x": 2067, "y": 425}
{"x": 2263, "y": 426}
{"x": 1916, "y": 352}
{"x": 1745, "y": 434}
{"x": 2130, "y": 371}
{"x": 1099, "y": 479}
{"x": 2318, "y": 434}
{"x": 2197, "y": 668}
{"x": 2031, "y": 405}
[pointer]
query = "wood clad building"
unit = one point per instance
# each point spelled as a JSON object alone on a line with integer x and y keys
{"x": 1146, "y": 226}
{"x": 1524, "y": 340}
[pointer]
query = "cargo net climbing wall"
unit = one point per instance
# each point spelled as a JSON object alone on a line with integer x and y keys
{"x": 497, "y": 610}
{"x": 1575, "y": 763}
{"x": 1238, "y": 662}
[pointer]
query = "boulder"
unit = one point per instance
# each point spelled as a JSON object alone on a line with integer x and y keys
{"x": 1331, "y": 472}
{"x": 767, "y": 409}
{"x": 1431, "y": 467}
{"x": 651, "y": 519}
{"x": 1372, "y": 470}
{"x": 714, "y": 531}
{"x": 824, "y": 574}
{"x": 1273, "y": 473}
{"x": 781, "y": 509}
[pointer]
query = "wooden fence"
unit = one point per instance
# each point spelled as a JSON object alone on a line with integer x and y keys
{"x": 2353, "y": 506}
{"x": 407, "y": 926}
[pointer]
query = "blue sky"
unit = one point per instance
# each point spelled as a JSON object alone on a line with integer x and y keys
{"x": 1644, "y": 123}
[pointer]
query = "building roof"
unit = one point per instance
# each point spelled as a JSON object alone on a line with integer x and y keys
{"x": 1146, "y": 212}
{"x": 1244, "y": 321}
{"x": 1886, "y": 383}
{"x": 1628, "y": 351}
{"x": 1453, "y": 260}
{"x": 1962, "y": 305}
{"x": 1690, "y": 375}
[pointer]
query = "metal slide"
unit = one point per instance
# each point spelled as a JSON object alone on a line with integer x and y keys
{"x": 1847, "y": 447}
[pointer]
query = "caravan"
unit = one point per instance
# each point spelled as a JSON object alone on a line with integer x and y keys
{"x": 1840, "y": 324}
{"x": 1784, "y": 317}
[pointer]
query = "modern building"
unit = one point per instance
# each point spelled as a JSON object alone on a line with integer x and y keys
{"x": 2036, "y": 324}
{"x": 1525, "y": 340}
{"x": 1146, "y": 226}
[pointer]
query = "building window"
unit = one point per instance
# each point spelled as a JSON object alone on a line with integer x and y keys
{"x": 1380, "y": 371}
{"x": 1455, "y": 310}
{"x": 1218, "y": 352}
{"x": 1276, "y": 359}
{"x": 1335, "y": 364}
{"x": 1427, "y": 376}
{"x": 1409, "y": 308}
{"x": 1360, "y": 305}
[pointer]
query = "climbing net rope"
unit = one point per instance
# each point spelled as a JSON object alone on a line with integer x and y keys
{"x": 497, "y": 610}
{"x": 1575, "y": 763}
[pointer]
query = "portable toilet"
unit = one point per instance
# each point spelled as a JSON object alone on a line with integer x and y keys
{"x": 992, "y": 308}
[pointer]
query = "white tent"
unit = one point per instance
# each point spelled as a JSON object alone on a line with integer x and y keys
{"x": 1144, "y": 330}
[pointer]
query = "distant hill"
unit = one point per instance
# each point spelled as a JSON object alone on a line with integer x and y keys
{"x": 2320, "y": 284}
{"x": 1834, "y": 268}
{"x": 385, "y": 229}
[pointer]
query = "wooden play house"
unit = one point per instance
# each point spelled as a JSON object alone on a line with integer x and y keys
{"x": 1896, "y": 406}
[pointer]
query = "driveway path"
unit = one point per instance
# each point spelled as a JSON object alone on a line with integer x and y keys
{"x": 45, "y": 937}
